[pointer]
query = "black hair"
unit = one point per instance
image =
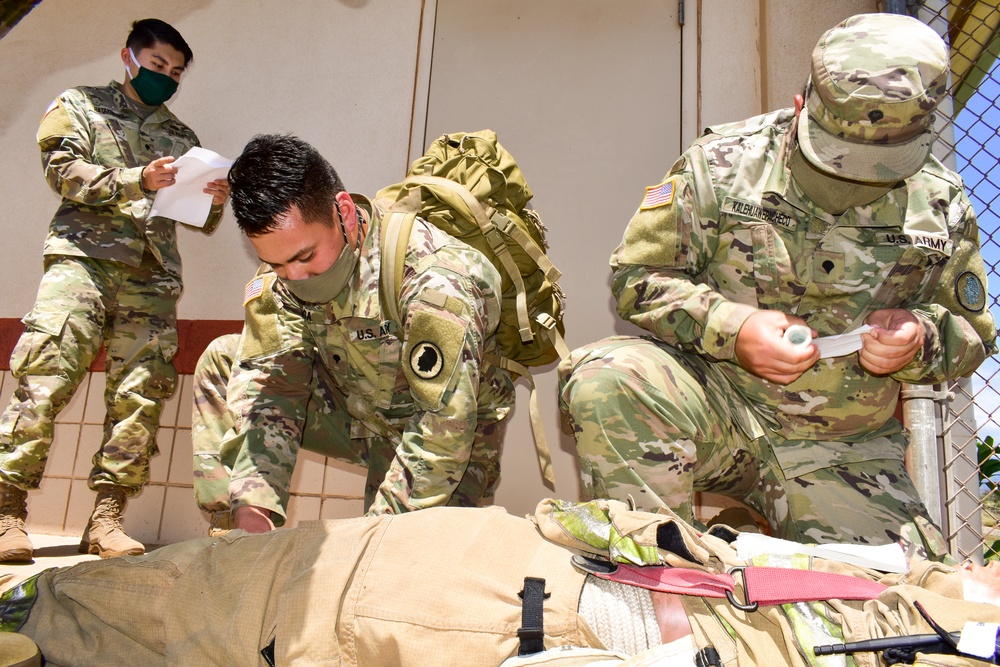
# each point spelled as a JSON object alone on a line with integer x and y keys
{"x": 275, "y": 172}
{"x": 147, "y": 32}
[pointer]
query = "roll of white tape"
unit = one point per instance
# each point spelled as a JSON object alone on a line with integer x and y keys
{"x": 798, "y": 334}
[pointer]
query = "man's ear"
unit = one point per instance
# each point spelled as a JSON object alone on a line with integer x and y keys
{"x": 348, "y": 211}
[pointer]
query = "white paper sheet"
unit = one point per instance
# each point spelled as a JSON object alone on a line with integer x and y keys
{"x": 185, "y": 201}
{"x": 839, "y": 345}
{"x": 885, "y": 558}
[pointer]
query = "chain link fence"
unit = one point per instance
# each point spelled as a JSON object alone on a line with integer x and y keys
{"x": 962, "y": 468}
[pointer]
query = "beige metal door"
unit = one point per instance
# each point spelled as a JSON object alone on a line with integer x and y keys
{"x": 587, "y": 96}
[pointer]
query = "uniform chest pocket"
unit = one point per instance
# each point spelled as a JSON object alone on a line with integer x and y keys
{"x": 373, "y": 351}
{"x": 915, "y": 269}
{"x": 110, "y": 145}
{"x": 761, "y": 248}
{"x": 852, "y": 260}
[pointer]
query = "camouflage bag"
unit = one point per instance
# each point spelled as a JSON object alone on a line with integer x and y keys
{"x": 468, "y": 185}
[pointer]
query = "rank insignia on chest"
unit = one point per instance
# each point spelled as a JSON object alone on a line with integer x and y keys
{"x": 970, "y": 292}
{"x": 253, "y": 290}
{"x": 658, "y": 195}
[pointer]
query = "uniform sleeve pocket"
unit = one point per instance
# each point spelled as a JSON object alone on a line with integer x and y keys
{"x": 431, "y": 354}
{"x": 168, "y": 345}
{"x": 50, "y": 322}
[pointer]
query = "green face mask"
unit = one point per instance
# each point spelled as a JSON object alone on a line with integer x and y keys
{"x": 325, "y": 287}
{"x": 833, "y": 195}
{"x": 152, "y": 87}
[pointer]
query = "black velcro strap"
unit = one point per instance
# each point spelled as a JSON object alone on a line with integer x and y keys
{"x": 532, "y": 632}
{"x": 268, "y": 653}
{"x": 708, "y": 657}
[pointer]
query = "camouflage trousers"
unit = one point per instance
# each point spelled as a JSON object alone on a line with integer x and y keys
{"x": 82, "y": 303}
{"x": 655, "y": 425}
{"x": 329, "y": 430}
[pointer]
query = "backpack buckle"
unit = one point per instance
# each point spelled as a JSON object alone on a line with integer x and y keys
{"x": 502, "y": 222}
{"x": 546, "y": 321}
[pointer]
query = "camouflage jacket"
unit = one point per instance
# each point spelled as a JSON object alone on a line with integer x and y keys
{"x": 450, "y": 306}
{"x": 94, "y": 146}
{"x": 731, "y": 233}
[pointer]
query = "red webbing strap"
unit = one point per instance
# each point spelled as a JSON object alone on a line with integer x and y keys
{"x": 764, "y": 585}
{"x": 778, "y": 585}
{"x": 672, "y": 580}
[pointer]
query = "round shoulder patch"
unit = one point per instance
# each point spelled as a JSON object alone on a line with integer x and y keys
{"x": 426, "y": 360}
{"x": 969, "y": 291}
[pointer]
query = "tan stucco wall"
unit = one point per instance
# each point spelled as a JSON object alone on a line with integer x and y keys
{"x": 311, "y": 67}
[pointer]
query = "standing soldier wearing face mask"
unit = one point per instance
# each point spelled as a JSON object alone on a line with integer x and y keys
{"x": 112, "y": 276}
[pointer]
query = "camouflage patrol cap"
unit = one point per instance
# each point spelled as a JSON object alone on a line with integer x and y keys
{"x": 875, "y": 81}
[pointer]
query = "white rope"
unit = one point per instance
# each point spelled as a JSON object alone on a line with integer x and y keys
{"x": 621, "y": 615}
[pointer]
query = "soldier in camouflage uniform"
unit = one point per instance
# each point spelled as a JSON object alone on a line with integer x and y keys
{"x": 830, "y": 217}
{"x": 322, "y": 367}
{"x": 357, "y": 592}
{"x": 112, "y": 276}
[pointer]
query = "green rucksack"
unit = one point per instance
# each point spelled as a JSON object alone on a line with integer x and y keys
{"x": 468, "y": 185}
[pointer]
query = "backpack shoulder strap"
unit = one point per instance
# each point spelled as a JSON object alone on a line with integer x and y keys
{"x": 394, "y": 237}
{"x": 534, "y": 414}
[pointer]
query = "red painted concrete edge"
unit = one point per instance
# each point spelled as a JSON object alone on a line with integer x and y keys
{"x": 193, "y": 337}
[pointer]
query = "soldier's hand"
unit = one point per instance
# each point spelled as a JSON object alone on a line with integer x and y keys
{"x": 896, "y": 337}
{"x": 159, "y": 174}
{"x": 253, "y": 519}
{"x": 219, "y": 189}
{"x": 762, "y": 350}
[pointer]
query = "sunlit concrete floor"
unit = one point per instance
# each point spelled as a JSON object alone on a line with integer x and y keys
{"x": 50, "y": 551}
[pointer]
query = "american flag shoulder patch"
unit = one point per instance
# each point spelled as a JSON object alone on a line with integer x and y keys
{"x": 658, "y": 195}
{"x": 253, "y": 290}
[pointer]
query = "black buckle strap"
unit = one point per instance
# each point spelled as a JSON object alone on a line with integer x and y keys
{"x": 532, "y": 632}
{"x": 268, "y": 653}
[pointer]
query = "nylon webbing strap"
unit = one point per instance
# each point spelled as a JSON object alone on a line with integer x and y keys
{"x": 396, "y": 228}
{"x": 765, "y": 586}
{"x": 777, "y": 585}
{"x": 534, "y": 414}
{"x": 532, "y": 630}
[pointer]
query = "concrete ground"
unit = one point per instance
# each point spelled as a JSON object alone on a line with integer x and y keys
{"x": 50, "y": 551}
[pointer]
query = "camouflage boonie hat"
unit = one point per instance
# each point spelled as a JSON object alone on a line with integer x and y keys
{"x": 875, "y": 81}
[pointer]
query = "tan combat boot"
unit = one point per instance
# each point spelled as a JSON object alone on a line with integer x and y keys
{"x": 104, "y": 535}
{"x": 15, "y": 547}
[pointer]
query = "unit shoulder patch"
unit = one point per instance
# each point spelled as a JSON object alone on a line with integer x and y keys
{"x": 426, "y": 360}
{"x": 432, "y": 353}
{"x": 969, "y": 292}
